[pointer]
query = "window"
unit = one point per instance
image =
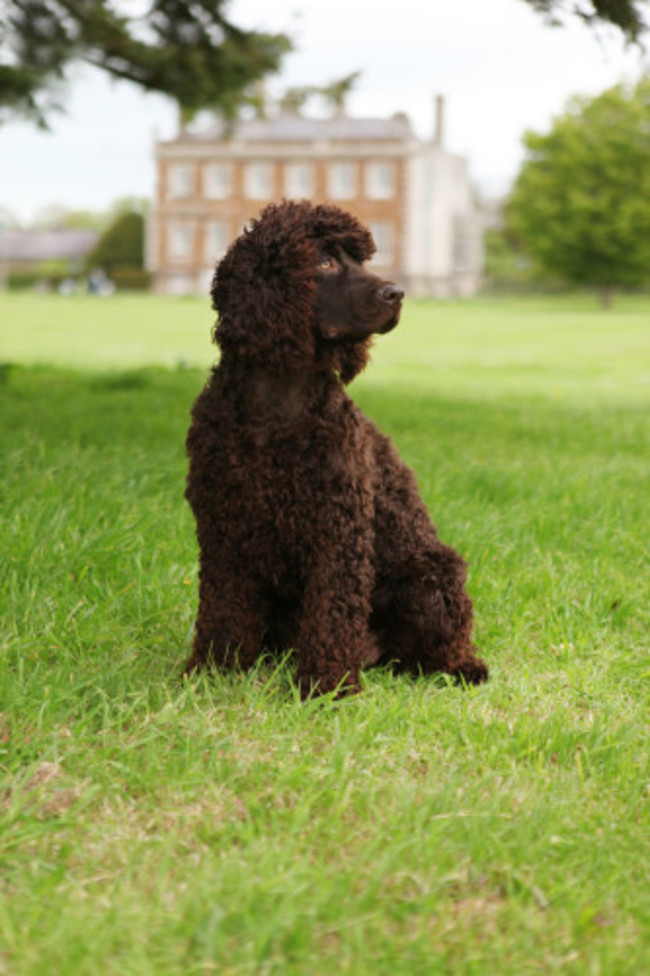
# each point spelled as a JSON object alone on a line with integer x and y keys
{"x": 299, "y": 180}
{"x": 342, "y": 181}
{"x": 216, "y": 240}
{"x": 384, "y": 237}
{"x": 180, "y": 181}
{"x": 217, "y": 181}
{"x": 258, "y": 181}
{"x": 180, "y": 241}
{"x": 462, "y": 245}
{"x": 380, "y": 181}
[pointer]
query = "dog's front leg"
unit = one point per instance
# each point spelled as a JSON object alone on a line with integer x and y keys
{"x": 230, "y": 620}
{"x": 334, "y": 640}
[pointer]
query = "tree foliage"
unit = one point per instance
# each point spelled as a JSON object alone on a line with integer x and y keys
{"x": 187, "y": 49}
{"x": 121, "y": 245}
{"x": 333, "y": 94}
{"x": 581, "y": 203}
{"x": 627, "y": 15}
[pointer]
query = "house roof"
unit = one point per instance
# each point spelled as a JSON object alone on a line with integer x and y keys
{"x": 56, "y": 244}
{"x": 292, "y": 127}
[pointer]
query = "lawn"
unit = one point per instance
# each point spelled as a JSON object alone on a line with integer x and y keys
{"x": 154, "y": 826}
{"x": 487, "y": 347}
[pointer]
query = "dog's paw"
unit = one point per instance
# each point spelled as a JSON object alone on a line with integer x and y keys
{"x": 471, "y": 671}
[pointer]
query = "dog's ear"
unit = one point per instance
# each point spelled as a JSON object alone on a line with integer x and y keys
{"x": 263, "y": 290}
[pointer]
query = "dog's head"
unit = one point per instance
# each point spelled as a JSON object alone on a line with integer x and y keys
{"x": 292, "y": 293}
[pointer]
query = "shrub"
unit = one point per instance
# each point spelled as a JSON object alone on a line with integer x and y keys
{"x": 128, "y": 278}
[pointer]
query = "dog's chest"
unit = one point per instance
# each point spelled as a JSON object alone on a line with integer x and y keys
{"x": 283, "y": 478}
{"x": 289, "y": 466}
{"x": 278, "y": 467}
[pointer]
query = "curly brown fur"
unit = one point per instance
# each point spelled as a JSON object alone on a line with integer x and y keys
{"x": 311, "y": 530}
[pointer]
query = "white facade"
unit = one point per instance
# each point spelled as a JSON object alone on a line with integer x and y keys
{"x": 444, "y": 248}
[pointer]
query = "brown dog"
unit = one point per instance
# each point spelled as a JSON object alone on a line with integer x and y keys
{"x": 312, "y": 533}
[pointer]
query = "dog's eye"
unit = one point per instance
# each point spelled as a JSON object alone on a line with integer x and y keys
{"x": 327, "y": 263}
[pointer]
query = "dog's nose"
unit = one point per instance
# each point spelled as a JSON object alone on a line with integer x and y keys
{"x": 392, "y": 294}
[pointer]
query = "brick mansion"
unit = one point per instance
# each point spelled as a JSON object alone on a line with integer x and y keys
{"x": 413, "y": 194}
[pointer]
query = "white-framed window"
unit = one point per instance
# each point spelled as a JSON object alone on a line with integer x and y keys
{"x": 180, "y": 240}
{"x": 215, "y": 241}
{"x": 299, "y": 180}
{"x": 380, "y": 181}
{"x": 258, "y": 181}
{"x": 342, "y": 181}
{"x": 217, "y": 181}
{"x": 180, "y": 181}
{"x": 383, "y": 233}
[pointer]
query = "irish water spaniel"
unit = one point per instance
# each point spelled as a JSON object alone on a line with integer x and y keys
{"x": 311, "y": 530}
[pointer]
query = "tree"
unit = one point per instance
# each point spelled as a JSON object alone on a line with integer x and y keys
{"x": 581, "y": 203}
{"x": 187, "y": 49}
{"x": 627, "y": 15}
{"x": 333, "y": 94}
{"x": 121, "y": 245}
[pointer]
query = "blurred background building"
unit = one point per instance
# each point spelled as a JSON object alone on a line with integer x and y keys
{"x": 413, "y": 194}
{"x": 33, "y": 253}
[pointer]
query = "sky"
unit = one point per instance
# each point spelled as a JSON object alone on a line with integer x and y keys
{"x": 501, "y": 69}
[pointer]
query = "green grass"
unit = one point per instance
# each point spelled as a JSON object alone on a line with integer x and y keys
{"x": 554, "y": 347}
{"x": 151, "y": 826}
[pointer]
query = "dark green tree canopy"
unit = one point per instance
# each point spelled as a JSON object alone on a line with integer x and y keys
{"x": 581, "y": 203}
{"x": 628, "y": 15}
{"x": 187, "y": 49}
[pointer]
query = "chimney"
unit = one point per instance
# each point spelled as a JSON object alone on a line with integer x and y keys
{"x": 439, "y": 127}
